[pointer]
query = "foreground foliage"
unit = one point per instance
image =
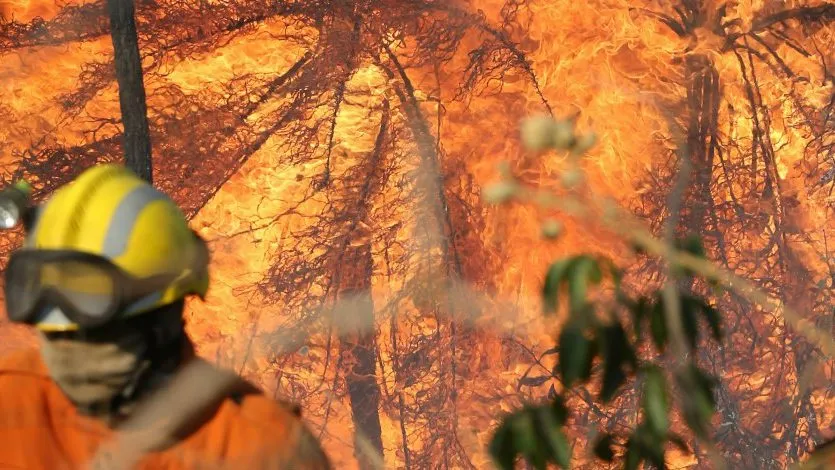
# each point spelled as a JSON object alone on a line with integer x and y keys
{"x": 652, "y": 338}
{"x": 598, "y": 339}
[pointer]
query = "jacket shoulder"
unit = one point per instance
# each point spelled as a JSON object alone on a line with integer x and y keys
{"x": 24, "y": 386}
{"x": 24, "y": 362}
{"x": 252, "y": 409}
{"x": 277, "y": 424}
{"x": 254, "y": 404}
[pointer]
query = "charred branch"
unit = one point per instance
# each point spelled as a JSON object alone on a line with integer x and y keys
{"x": 74, "y": 23}
{"x": 703, "y": 95}
{"x": 209, "y": 125}
{"x": 167, "y": 25}
{"x": 490, "y": 63}
{"x": 806, "y": 15}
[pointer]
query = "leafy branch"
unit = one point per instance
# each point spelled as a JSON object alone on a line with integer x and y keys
{"x": 597, "y": 209}
{"x": 594, "y": 332}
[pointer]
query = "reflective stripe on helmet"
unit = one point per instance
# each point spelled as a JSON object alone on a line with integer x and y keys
{"x": 124, "y": 219}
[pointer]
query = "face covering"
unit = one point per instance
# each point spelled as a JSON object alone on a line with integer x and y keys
{"x": 92, "y": 371}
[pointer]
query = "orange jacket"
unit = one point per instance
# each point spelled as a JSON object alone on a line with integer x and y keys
{"x": 40, "y": 429}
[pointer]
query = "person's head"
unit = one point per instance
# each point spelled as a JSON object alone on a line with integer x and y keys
{"x": 102, "y": 274}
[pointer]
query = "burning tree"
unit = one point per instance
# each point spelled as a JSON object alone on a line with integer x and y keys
{"x": 746, "y": 101}
{"x": 732, "y": 134}
{"x": 749, "y": 202}
{"x": 358, "y": 100}
{"x": 360, "y": 204}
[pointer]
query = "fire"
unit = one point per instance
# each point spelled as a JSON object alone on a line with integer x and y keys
{"x": 26, "y": 10}
{"x": 618, "y": 66}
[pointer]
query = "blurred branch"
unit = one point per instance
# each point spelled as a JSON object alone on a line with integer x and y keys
{"x": 634, "y": 230}
{"x": 623, "y": 223}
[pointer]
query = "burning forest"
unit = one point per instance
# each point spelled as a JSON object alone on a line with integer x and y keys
{"x": 334, "y": 153}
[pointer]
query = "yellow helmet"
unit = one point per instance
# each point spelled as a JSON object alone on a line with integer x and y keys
{"x": 110, "y": 214}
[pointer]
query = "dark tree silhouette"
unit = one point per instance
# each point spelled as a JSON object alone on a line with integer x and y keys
{"x": 137, "y": 136}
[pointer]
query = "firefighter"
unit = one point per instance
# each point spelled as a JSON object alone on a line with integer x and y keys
{"x": 102, "y": 276}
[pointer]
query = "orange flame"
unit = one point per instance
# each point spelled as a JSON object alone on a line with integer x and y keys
{"x": 611, "y": 63}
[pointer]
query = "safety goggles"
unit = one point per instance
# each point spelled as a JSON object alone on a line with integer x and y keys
{"x": 89, "y": 289}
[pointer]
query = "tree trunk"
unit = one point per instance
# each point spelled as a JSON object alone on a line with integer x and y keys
{"x": 440, "y": 233}
{"x": 795, "y": 276}
{"x": 357, "y": 345}
{"x": 703, "y": 94}
{"x": 137, "y": 137}
{"x": 358, "y": 349}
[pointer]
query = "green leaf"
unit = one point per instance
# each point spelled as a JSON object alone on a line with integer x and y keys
{"x": 560, "y": 448}
{"x": 821, "y": 454}
{"x": 575, "y": 355}
{"x": 613, "y": 378}
{"x": 533, "y": 433}
{"x": 713, "y": 318}
{"x": 640, "y": 310}
{"x": 693, "y": 244}
{"x": 616, "y": 352}
{"x": 689, "y": 321}
{"x": 524, "y": 439}
{"x": 690, "y": 307}
{"x": 698, "y": 403}
{"x": 650, "y": 446}
{"x": 553, "y": 281}
{"x": 630, "y": 358}
{"x": 552, "y": 436}
{"x": 559, "y": 410}
{"x": 654, "y": 453}
{"x": 501, "y": 447}
{"x": 584, "y": 270}
{"x": 633, "y": 457}
{"x": 658, "y": 326}
{"x": 706, "y": 383}
{"x": 603, "y": 448}
{"x": 656, "y": 404}
{"x": 612, "y": 269}
{"x": 587, "y": 368}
